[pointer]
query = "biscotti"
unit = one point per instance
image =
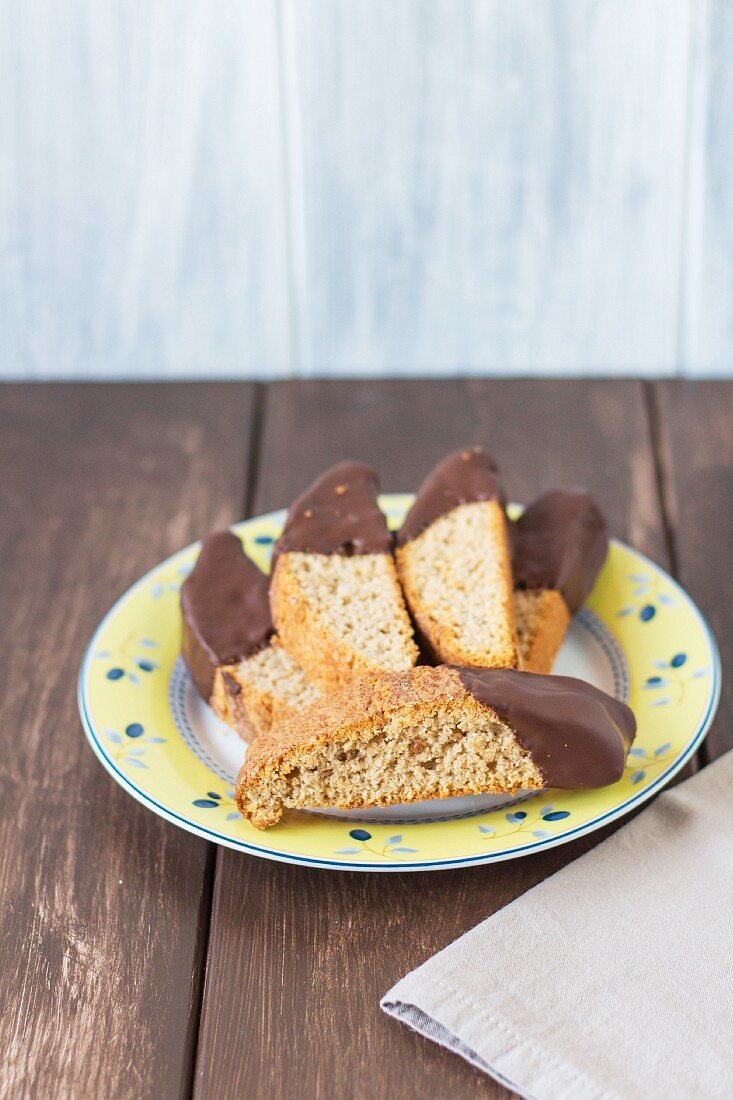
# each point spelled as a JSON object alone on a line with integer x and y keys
{"x": 436, "y": 733}
{"x": 261, "y": 691}
{"x": 336, "y": 601}
{"x": 559, "y": 544}
{"x": 453, "y": 561}
{"x": 229, "y": 644}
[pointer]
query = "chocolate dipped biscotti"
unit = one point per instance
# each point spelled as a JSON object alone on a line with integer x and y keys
{"x": 229, "y": 642}
{"x": 439, "y": 732}
{"x": 336, "y": 601}
{"x": 454, "y": 563}
{"x": 559, "y": 544}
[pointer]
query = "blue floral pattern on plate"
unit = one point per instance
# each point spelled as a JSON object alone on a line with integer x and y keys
{"x": 647, "y": 597}
{"x": 672, "y": 680}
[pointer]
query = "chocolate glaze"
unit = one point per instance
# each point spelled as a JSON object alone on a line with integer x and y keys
{"x": 225, "y": 608}
{"x": 577, "y": 735}
{"x": 337, "y": 514}
{"x": 561, "y": 542}
{"x": 464, "y": 477}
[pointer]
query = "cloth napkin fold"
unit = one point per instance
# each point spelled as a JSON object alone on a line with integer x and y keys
{"x": 612, "y": 979}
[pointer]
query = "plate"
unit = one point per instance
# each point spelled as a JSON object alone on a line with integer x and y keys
{"x": 639, "y": 636}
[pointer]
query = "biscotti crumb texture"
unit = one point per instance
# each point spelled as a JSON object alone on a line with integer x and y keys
{"x": 261, "y": 691}
{"x": 542, "y": 619}
{"x": 393, "y": 739}
{"x": 341, "y": 616}
{"x": 335, "y": 597}
{"x": 457, "y": 580}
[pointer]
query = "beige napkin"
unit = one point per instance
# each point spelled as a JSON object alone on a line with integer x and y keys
{"x": 614, "y": 978}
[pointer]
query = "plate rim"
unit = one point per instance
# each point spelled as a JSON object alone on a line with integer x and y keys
{"x": 482, "y": 858}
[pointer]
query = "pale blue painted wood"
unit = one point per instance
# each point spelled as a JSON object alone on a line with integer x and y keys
{"x": 479, "y": 185}
{"x": 448, "y": 186}
{"x": 707, "y": 297}
{"x": 142, "y": 228}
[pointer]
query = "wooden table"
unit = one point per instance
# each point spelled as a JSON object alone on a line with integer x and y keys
{"x": 139, "y": 961}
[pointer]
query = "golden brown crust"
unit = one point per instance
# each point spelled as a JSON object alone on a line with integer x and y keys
{"x": 327, "y": 659}
{"x": 441, "y": 640}
{"x": 551, "y": 618}
{"x": 356, "y": 711}
{"x": 358, "y": 704}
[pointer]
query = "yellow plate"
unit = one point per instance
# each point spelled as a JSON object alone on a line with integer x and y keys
{"x": 639, "y": 636}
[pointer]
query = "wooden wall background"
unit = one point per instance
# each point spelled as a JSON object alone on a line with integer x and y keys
{"x": 210, "y": 188}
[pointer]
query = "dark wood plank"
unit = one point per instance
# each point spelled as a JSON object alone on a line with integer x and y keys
{"x": 298, "y": 959}
{"x": 695, "y": 428}
{"x": 105, "y": 905}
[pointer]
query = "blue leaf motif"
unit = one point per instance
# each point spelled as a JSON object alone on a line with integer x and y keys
{"x": 136, "y": 752}
{"x": 158, "y": 591}
{"x": 655, "y": 681}
{"x": 700, "y": 672}
{"x": 661, "y": 702}
{"x": 666, "y": 600}
{"x": 624, "y": 611}
{"x": 103, "y": 653}
{"x": 264, "y": 540}
{"x": 637, "y": 777}
{"x": 114, "y": 737}
{"x": 642, "y": 578}
{"x": 156, "y": 740}
{"x": 541, "y": 833}
{"x": 546, "y": 809}
{"x": 556, "y": 815}
{"x": 405, "y": 851}
{"x": 515, "y": 818}
{"x": 360, "y": 834}
{"x": 115, "y": 674}
{"x": 647, "y": 612}
{"x": 637, "y": 752}
{"x": 678, "y": 660}
{"x": 205, "y": 803}
{"x": 135, "y": 679}
{"x": 135, "y": 763}
{"x": 659, "y": 664}
{"x": 148, "y": 643}
{"x": 233, "y": 816}
{"x": 486, "y": 830}
{"x": 213, "y": 794}
{"x": 347, "y": 851}
{"x": 230, "y": 792}
{"x": 662, "y": 748}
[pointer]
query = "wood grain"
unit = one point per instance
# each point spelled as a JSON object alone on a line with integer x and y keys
{"x": 486, "y": 187}
{"x": 298, "y": 959}
{"x": 142, "y": 211}
{"x": 696, "y": 437}
{"x": 104, "y": 905}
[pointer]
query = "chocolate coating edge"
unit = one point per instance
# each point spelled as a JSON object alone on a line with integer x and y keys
{"x": 225, "y": 609}
{"x": 463, "y": 477}
{"x": 560, "y": 541}
{"x": 337, "y": 514}
{"x": 578, "y": 736}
